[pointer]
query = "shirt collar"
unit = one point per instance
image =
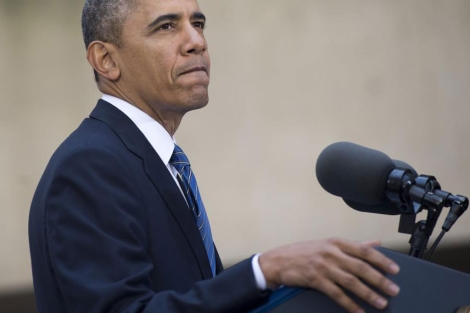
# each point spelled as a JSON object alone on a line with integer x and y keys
{"x": 156, "y": 135}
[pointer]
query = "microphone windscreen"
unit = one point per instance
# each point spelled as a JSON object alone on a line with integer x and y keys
{"x": 386, "y": 207}
{"x": 354, "y": 172}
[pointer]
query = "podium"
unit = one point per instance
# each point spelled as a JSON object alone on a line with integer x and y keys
{"x": 424, "y": 288}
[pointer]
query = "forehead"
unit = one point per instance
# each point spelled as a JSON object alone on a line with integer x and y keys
{"x": 153, "y": 8}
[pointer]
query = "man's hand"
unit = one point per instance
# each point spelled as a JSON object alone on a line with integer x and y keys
{"x": 330, "y": 265}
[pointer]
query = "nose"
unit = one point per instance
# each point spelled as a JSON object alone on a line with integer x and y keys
{"x": 194, "y": 41}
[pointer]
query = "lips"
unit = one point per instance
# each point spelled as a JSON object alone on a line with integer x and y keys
{"x": 194, "y": 69}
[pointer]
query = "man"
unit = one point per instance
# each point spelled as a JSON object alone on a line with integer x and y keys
{"x": 117, "y": 223}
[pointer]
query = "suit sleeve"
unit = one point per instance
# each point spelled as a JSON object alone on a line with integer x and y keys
{"x": 97, "y": 246}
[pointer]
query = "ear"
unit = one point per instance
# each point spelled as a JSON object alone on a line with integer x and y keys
{"x": 100, "y": 57}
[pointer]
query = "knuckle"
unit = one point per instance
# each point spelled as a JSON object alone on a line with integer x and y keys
{"x": 318, "y": 266}
{"x": 334, "y": 241}
{"x": 350, "y": 281}
{"x": 337, "y": 294}
{"x": 330, "y": 251}
{"x": 362, "y": 267}
{"x": 315, "y": 284}
{"x": 314, "y": 271}
{"x": 364, "y": 251}
{"x": 319, "y": 283}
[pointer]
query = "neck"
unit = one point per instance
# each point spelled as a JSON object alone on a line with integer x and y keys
{"x": 169, "y": 120}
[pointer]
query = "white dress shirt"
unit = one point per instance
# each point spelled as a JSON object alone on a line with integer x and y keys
{"x": 164, "y": 145}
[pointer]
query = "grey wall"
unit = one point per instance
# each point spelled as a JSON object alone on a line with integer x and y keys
{"x": 288, "y": 78}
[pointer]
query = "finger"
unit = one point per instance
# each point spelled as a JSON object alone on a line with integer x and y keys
{"x": 372, "y": 243}
{"x": 370, "y": 255}
{"x": 357, "y": 287}
{"x": 370, "y": 275}
{"x": 337, "y": 295}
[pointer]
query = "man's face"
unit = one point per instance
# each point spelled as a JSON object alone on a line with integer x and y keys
{"x": 164, "y": 60}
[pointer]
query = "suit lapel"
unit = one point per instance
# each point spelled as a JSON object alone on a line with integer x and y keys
{"x": 158, "y": 173}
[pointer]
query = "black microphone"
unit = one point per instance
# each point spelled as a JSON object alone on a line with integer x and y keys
{"x": 387, "y": 207}
{"x": 354, "y": 172}
{"x": 369, "y": 181}
{"x": 369, "y": 177}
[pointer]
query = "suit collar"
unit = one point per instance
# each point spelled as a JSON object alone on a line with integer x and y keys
{"x": 162, "y": 142}
{"x": 158, "y": 173}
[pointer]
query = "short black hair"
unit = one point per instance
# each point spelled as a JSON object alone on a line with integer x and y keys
{"x": 103, "y": 20}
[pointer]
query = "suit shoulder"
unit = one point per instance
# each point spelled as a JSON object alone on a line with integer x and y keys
{"x": 93, "y": 141}
{"x": 91, "y": 133}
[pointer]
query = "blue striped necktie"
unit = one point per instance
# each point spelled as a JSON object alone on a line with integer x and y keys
{"x": 189, "y": 186}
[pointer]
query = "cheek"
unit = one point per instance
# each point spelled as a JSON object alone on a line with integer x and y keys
{"x": 164, "y": 60}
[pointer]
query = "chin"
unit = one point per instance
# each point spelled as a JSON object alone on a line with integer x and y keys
{"x": 198, "y": 103}
{"x": 197, "y": 100}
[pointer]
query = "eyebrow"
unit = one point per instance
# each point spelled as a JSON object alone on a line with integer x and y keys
{"x": 175, "y": 17}
{"x": 198, "y": 16}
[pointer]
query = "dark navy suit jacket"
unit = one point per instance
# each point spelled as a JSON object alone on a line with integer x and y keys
{"x": 110, "y": 231}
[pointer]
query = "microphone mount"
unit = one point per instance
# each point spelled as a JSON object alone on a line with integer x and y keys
{"x": 412, "y": 194}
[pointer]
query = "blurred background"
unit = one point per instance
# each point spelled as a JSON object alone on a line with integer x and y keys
{"x": 288, "y": 78}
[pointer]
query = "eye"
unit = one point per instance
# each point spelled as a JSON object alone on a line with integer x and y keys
{"x": 200, "y": 25}
{"x": 165, "y": 26}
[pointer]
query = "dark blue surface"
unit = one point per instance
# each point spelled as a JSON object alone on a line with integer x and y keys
{"x": 425, "y": 287}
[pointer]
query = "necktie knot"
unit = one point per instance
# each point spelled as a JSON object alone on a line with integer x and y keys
{"x": 178, "y": 159}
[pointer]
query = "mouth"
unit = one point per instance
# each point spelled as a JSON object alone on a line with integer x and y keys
{"x": 195, "y": 69}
